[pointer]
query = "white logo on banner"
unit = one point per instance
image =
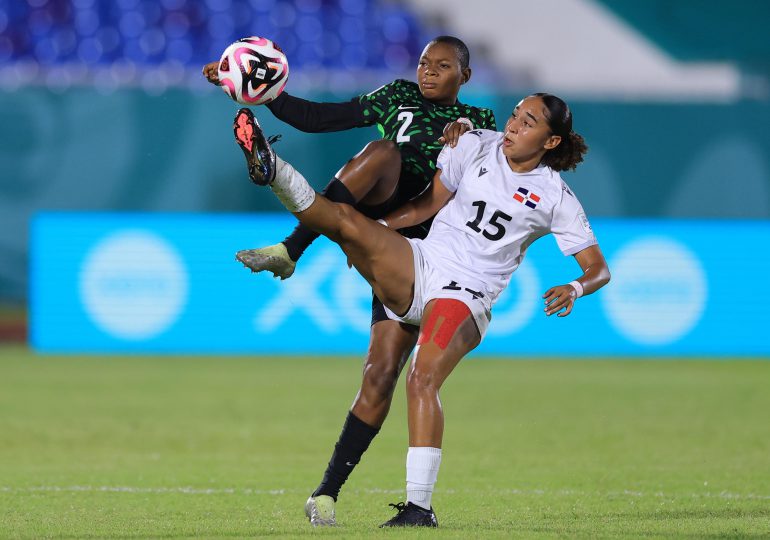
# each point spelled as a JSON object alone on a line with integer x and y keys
{"x": 658, "y": 291}
{"x": 349, "y": 303}
{"x": 133, "y": 285}
{"x": 302, "y": 293}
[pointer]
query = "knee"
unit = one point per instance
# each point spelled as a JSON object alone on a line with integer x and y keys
{"x": 379, "y": 382}
{"x": 349, "y": 223}
{"x": 383, "y": 155}
{"x": 421, "y": 382}
{"x": 383, "y": 149}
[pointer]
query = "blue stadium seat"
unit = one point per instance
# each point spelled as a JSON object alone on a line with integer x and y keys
{"x": 335, "y": 34}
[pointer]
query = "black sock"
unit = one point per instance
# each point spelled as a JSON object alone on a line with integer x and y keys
{"x": 353, "y": 442}
{"x": 301, "y": 237}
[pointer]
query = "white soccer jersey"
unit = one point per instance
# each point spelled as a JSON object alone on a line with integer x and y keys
{"x": 483, "y": 232}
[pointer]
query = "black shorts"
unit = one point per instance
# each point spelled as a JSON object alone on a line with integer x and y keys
{"x": 378, "y": 311}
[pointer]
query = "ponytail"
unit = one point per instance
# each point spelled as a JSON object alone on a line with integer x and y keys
{"x": 569, "y": 152}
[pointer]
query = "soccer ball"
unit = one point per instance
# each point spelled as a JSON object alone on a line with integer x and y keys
{"x": 253, "y": 71}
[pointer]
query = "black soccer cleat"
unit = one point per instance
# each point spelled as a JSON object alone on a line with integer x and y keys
{"x": 260, "y": 156}
{"x": 411, "y": 515}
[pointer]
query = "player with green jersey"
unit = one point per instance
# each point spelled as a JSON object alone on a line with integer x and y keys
{"x": 385, "y": 174}
{"x": 411, "y": 115}
{"x": 415, "y": 124}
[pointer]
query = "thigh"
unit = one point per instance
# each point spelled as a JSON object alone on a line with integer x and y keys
{"x": 372, "y": 175}
{"x": 448, "y": 332}
{"x": 382, "y": 256}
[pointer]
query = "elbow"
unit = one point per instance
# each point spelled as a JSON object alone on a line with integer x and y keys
{"x": 600, "y": 276}
{"x": 605, "y": 277}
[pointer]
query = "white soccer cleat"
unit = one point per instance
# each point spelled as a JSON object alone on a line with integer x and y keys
{"x": 320, "y": 511}
{"x": 273, "y": 258}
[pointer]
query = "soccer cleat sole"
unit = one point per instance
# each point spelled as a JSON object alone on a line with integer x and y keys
{"x": 260, "y": 156}
{"x": 245, "y": 136}
{"x": 258, "y": 261}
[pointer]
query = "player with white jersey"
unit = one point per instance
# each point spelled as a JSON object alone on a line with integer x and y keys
{"x": 480, "y": 237}
{"x": 496, "y": 193}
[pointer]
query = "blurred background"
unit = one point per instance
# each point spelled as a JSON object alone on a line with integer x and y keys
{"x": 123, "y": 197}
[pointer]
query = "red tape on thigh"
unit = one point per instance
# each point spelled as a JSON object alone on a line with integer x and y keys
{"x": 444, "y": 320}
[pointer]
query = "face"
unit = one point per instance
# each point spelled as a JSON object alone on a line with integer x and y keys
{"x": 439, "y": 74}
{"x": 527, "y": 134}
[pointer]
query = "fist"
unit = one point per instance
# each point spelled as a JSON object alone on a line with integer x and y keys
{"x": 211, "y": 72}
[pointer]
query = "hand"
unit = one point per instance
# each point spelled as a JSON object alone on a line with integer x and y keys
{"x": 452, "y": 132}
{"x": 211, "y": 72}
{"x": 558, "y": 298}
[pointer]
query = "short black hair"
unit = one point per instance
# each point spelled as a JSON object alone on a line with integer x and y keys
{"x": 463, "y": 54}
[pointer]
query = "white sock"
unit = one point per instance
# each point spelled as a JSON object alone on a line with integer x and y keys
{"x": 422, "y": 463}
{"x": 291, "y": 188}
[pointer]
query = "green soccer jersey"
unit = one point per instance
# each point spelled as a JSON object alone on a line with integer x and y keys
{"x": 415, "y": 124}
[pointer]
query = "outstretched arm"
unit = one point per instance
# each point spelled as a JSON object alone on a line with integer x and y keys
{"x": 314, "y": 117}
{"x": 304, "y": 115}
{"x": 596, "y": 275}
{"x": 422, "y": 207}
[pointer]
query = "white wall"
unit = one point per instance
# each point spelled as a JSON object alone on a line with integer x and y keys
{"x": 578, "y": 47}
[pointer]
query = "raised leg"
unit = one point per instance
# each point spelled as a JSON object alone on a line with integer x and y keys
{"x": 369, "y": 178}
{"x": 382, "y": 256}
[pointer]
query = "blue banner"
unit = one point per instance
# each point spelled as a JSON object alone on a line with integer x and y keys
{"x": 169, "y": 283}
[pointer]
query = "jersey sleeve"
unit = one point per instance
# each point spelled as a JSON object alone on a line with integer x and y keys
{"x": 315, "y": 117}
{"x": 570, "y": 225}
{"x": 375, "y": 104}
{"x": 452, "y": 162}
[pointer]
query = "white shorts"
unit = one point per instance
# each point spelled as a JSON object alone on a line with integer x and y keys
{"x": 431, "y": 283}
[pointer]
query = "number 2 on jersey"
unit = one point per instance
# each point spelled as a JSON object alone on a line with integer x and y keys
{"x": 407, "y": 117}
{"x": 498, "y": 228}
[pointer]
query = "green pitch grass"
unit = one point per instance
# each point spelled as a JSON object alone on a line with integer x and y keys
{"x": 169, "y": 447}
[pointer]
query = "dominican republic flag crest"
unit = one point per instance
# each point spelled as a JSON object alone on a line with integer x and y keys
{"x": 526, "y": 197}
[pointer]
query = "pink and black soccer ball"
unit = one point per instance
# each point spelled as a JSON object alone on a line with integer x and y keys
{"x": 253, "y": 71}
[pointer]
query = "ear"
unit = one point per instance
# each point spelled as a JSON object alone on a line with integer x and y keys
{"x": 466, "y": 75}
{"x": 552, "y": 142}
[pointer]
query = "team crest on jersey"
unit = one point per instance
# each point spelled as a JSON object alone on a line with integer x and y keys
{"x": 526, "y": 197}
